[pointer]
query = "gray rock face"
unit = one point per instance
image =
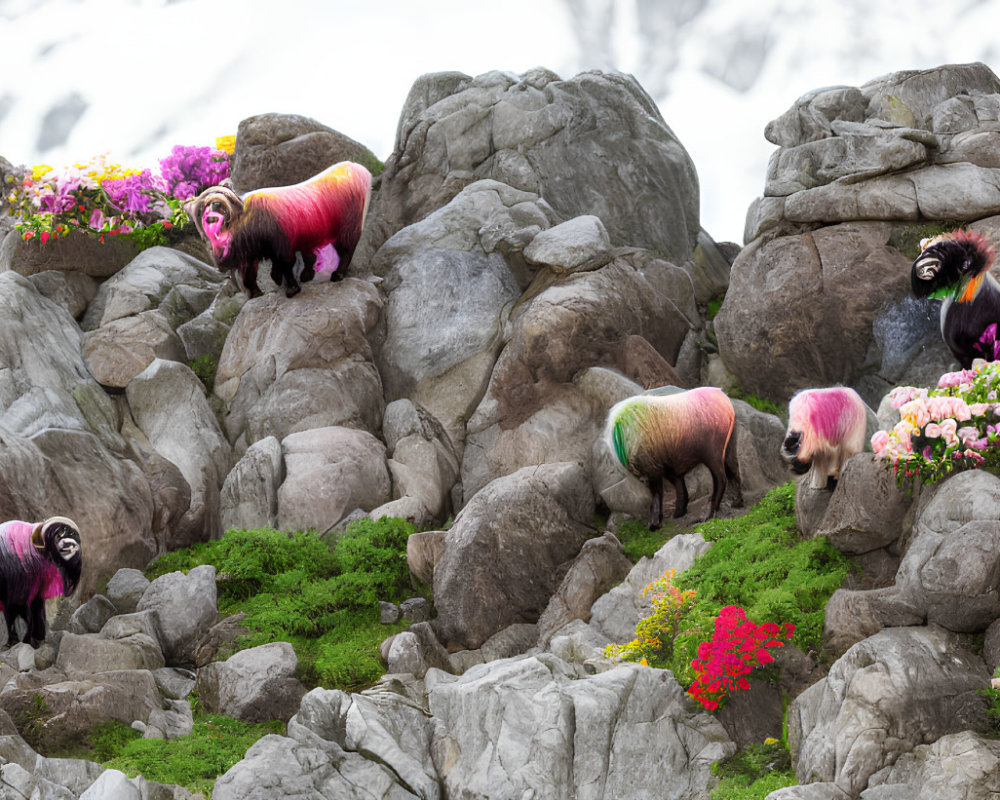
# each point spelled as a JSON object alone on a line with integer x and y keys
{"x": 254, "y": 685}
{"x": 282, "y": 149}
{"x": 249, "y": 496}
{"x": 294, "y": 366}
{"x": 948, "y": 573}
{"x": 960, "y": 766}
{"x": 523, "y": 131}
{"x": 495, "y": 571}
{"x": 512, "y": 728}
{"x": 329, "y": 473}
{"x": 185, "y": 608}
{"x": 908, "y": 149}
{"x": 888, "y": 694}
{"x": 125, "y": 589}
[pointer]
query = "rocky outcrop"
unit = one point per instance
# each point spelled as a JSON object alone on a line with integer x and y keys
{"x": 860, "y": 175}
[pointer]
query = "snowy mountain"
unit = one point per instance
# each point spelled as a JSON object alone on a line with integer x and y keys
{"x": 134, "y": 77}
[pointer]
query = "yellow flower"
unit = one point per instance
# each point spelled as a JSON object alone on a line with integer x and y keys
{"x": 40, "y": 171}
{"x": 770, "y": 740}
{"x": 644, "y": 662}
{"x": 226, "y": 143}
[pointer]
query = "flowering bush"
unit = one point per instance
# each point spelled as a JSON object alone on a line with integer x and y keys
{"x": 953, "y": 427}
{"x": 654, "y": 635}
{"x": 737, "y": 646}
{"x": 105, "y": 199}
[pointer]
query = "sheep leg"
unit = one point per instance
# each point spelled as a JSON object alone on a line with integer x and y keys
{"x": 10, "y": 617}
{"x": 718, "y": 489}
{"x": 656, "y": 504}
{"x": 680, "y": 490}
{"x": 36, "y": 622}
{"x": 250, "y": 280}
{"x": 283, "y": 272}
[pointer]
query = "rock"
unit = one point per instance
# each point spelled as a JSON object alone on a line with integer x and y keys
{"x": 496, "y": 568}
{"x": 961, "y": 765}
{"x": 509, "y": 642}
{"x": 62, "y": 450}
{"x": 296, "y": 366}
{"x": 866, "y": 509}
{"x": 282, "y": 149}
{"x": 754, "y": 454}
{"x": 809, "y": 288}
{"x": 173, "y": 683}
{"x": 71, "y": 708}
{"x": 169, "y": 406}
{"x": 416, "y": 650}
{"x": 71, "y": 290}
{"x": 125, "y": 589}
{"x": 151, "y": 281}
{"x": 415, "y": 609}
{"x": 118, "y": 351}
{"x": 601, "y": 564}
{"x": 423, "y": 465}
{"x": 450, "y": 284}
{"x": 80, "y": 656}
{"x": 389, "y": 613}
{"x": 249, "y": 496}
{"x": 946, "y": 576}
{"x": 329, "y": 472}
{"x": 221, "y": 638}
{"x": 577, "y": 245}
{"x": 616, "y": 613}
{"x": 894, "y": 691}
{"x": 253, "y": 685}
{"x": 423, "y": 549}
{"x": 529, "y": 132}
{"x": 539, "y": 406}
{"x": 91, "y": 616}
{"x": 185, "y": 607}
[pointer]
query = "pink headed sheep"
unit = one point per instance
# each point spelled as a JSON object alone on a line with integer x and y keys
{"x": 825, "y": 428}
{"x": 657, "y": 436}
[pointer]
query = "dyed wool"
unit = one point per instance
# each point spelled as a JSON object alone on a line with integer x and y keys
{"x": 657, "y": 436}
{"x": 825, "y": 428}
{"x": 37, "y": 561}
{"x": 954, "y": 268}
{"x": 319, "y": 220}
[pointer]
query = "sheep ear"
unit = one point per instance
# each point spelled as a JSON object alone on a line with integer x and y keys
{"x": 37, "y": 537}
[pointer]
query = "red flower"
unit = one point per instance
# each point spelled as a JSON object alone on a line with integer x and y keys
{"x": 44, "y": 236}
{"x": 29, "y": 235}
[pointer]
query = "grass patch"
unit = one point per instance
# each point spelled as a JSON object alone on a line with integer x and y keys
{"x": 638, "y": 540}
{"x": 760, "y": 561}
{"x": 737, "y": 392}
{"x": 205, "y": 368}
{"x": 297, "y": 588}
{"x": 754, "y": 772}
{"x": 193, "y": 761}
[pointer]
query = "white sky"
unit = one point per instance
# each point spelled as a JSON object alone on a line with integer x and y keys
{"x": 202, "y": 66}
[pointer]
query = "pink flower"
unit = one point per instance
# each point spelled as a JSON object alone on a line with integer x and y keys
{"x": 917, "y": 411}
{"x": 968, "y": 435}
{"x": 880, "y": 440}
{"x": 949, "y": 429}
{"x": 979, "y": 409}
{"x": 932, "y": 430}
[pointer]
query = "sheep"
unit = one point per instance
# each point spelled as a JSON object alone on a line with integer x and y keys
{"x": 320, "y": 219}
{"x": 657, "y": 436}
{"x": 825, "y": 428}
{"x": 37, "y": 561}
{"x": 955, "y": 268}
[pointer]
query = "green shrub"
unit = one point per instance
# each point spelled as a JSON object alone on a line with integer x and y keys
{"x": 638, "y": 540}
{"x": 993, "y": 709}
{"x": 754, "y": 772}
{"x": 205, "y": 367}
{"x": 297, "y": 588}
{"x": 194, "y": 761}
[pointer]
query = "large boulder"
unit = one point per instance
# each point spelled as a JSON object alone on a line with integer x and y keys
{"x": 502, "y": 555}
{"x": 521, "y": 727}
{"x": 533, "y": 132}
{"x": 254, "y": 685}
{"x": 898, "y": 689}
{"x": 292, "y": 365}
{"x": 185, "y": 608}
{"x": 282, "y": 149}
{"x": 948, "y": 575}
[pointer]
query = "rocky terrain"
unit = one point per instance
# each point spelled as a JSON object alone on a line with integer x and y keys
{"x": 532, "y": 255}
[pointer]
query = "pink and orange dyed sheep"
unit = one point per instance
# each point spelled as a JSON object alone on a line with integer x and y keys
{"x": 825, "y": 428}
{"x": 320, "y": 218}
{"x": 665, "y": 436}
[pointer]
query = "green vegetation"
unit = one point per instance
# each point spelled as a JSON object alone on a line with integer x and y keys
{"x": 760, "y": 562}
{"x": 638, "y": 540}
{"x": 193, "y": 761}
{"x": 993, "y": 710}
{"x": 754, "y": 772}
{"x": 737, "y": 392}
{"x": 299, "y": 589}
{"x": 204, "y": 367}
{"x": 906, "y": 238}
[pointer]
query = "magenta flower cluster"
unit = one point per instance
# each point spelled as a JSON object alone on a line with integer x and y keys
{"x": 189, "y": 170}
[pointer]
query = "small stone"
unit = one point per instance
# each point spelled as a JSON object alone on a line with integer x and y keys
{"x": 390, "y": 612}
{"x": 416, "y": 609}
